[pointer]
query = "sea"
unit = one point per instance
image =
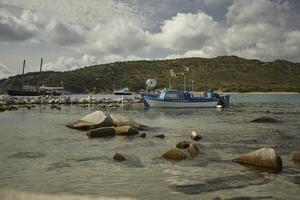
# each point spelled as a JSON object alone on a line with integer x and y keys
{"x": 42, "y": 158}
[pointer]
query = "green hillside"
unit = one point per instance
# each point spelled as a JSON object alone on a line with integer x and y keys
{"x": 227, "y": 73}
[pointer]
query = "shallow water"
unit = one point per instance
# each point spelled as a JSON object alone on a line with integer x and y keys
{"x": 39, "y": 154}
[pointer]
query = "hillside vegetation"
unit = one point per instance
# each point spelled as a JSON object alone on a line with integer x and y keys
{"x": 227, "y": 73}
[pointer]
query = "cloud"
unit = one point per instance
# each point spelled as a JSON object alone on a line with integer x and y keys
{"x": 22, "y": 28}
{"x": 70, "y": 63}
{"x": 4, "y": 71}
{"x": 253, "y": 11}
{"x": 116, "y": 37}
{"x": 187, "y": 31}
{"x": 64, "y": 34}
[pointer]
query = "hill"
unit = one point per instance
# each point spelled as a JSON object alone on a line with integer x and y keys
{"x": 227, "y": 73}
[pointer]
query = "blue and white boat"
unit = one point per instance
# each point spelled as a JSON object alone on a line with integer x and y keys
{"x": 183, "y": 99}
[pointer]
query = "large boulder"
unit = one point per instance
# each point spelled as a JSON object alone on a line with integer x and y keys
{"x": 265, "y": 157}
{"x": 102, "y": 132}
{"x": 120, "y": 120}
{"x": 265, "y": 120}
{"x": 175, "y": 154}
{"x": 126, "y": 131}
{"x": 296, "y": 156}
{"x": 91, "y": 121}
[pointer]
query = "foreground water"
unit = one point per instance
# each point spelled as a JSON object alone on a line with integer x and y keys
{"x": 39, "y": 154}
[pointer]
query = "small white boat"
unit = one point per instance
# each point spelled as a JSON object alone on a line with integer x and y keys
{"x": 124, "y": 91}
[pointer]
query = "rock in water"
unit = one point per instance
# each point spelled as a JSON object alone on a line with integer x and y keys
{"x": 296, "y": 156}
{"x": 193, "y": 150}
{"x": 119, "y": 157}
{"x": 161, "y": 136}
{"x": 143, "y": 135}
{"x": 126, "y": 131}
{"x": 265, "y": 157}
{"x": 91, "y": 121}
{"x": 120, "y": 120}
{"x": 183, "y": 145}
{"x": 265, "y": 120}
{"x": 102, "y": 132}
{"x": 175, "y": 154}
{"x": 195, "y": 136}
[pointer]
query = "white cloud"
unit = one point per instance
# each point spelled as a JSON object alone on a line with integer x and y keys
{"x": 4, "y": 71}
{"x": 70, "y": 63}
{"x": 187, "y": 31}
{"x": 19, "y": 28}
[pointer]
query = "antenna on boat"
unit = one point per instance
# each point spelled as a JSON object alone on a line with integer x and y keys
{"x": 186, "y": 69}
{"x": 172, "y": 74}
{"x": 23, "y": 70}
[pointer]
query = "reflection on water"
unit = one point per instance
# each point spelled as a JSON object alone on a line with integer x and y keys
{"x": 40, "y": 155}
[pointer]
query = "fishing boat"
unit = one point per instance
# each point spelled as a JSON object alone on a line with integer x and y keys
{"x": 183, "y": 99}
{"x": 170, "y": 98}
{"x": 124, "y": 91}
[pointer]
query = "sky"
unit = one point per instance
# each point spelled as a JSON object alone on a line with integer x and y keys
{"x": 70, "y": 34}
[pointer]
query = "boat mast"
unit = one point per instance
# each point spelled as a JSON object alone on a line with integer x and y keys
{"x": 40, "y": 81}
{"x": 23, "y": 72}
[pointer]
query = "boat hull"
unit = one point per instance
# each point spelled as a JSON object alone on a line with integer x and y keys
{"x": 155, "y": 103}
{"x": 122, "y": 93}
{"x": 30, "y": 93}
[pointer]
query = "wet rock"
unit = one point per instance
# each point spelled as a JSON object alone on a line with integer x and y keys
{"x": 193, "y": 150}
{"x": 296, "y": 156}
{"x": 195, "y": 136}
{"x": 183, "y": 145}
{"x": 91, "y": 121}
{"x": 175, "y": 154}
{"x": 13, "y": 108}
{"x": 265, "y": 157}
{"x": 161, "y": 136}
{"x": 120, "y": 120}
{"x": 143, "y": 135}
{"x": 126, "y": 131}
{"x": 265, "y": 120}
{"x": 102, "y": 132}
{"x": 3, "y": 108}
{"x": 119, "y": 157}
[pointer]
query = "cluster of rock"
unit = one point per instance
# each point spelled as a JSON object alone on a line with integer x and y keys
{"x": 14, "y": 103}
{"x": 100, "y": 125}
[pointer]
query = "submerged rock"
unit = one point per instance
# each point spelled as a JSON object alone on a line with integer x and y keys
{"x": 143, "y": 135}
{"x": 161, "y": 136}
{"x": 265, "y": 157}
{"x": 193, "y": 150}
{"x": 175, "y": 154}
{"x": 126, "y": 131}
{"x": 102, "y": 132}
{"x": 91, "y": 121}
{"x": 183, "y": 145}
{"x": 119, "y": 157}
{"x": 120, "y": 120}
{"x": 195, "y": 136}
{"x": 265, "y": 120}
{"x": 296, "y": 156}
